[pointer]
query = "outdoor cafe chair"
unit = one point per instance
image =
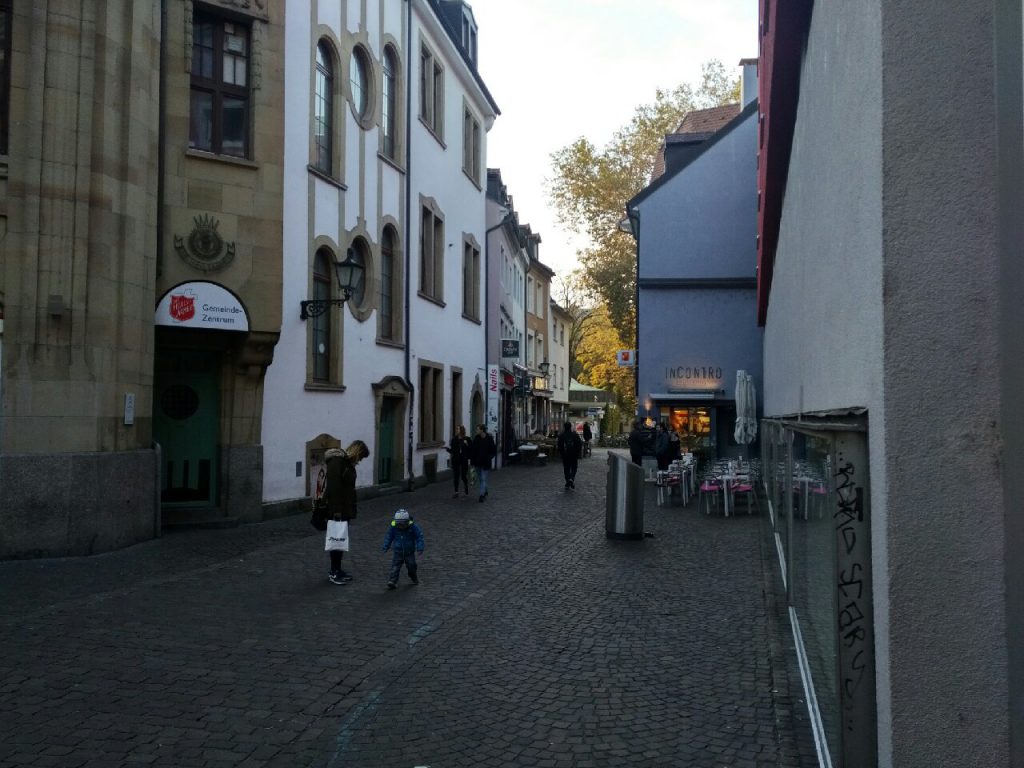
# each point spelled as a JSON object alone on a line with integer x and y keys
{"x": 710, "y": 487}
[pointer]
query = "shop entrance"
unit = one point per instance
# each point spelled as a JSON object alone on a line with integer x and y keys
{"x": 186, "y": 413}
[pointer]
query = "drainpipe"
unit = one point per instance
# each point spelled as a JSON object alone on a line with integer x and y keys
{"x": 634, "y": 228}
{"x": 410, "y": 476}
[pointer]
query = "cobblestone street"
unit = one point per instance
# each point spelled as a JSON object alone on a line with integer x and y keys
{"x": 532, "y": 640}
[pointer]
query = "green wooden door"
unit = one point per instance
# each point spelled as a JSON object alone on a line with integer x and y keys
{"x": 386, "y": 440}
{"x": 186, "y": 412}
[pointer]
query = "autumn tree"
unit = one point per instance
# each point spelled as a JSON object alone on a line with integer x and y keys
{"x": 598, "y": 364}
{"x": 590, "y": 189}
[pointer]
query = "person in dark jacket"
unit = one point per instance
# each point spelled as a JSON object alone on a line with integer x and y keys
{"x": 588, "y": 435}
{"x": 569, "y": 446}
{"x": 405, "y": 540}
{"x": 636, "y": 444}
{"x": 459, "y": 449}
{"x": 662, "y": 447}
{"x": 341, "y": 495}
{"x": 481, "y": 456}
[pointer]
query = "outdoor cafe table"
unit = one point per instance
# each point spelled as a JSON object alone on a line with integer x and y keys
{"x": 529, "y": 452}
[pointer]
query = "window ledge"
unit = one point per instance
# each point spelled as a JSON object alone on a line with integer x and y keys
{"x": 431, "y": 299}
{"x": 472, "y": 178}
{"x": 390, "y": 343}
{"x": 471, "y": 318}
{"x": 315, "y": 387}
{"x": 432, "y": 132}
{"x": 201, "y": 154}
{"x": 326, "y": 177}
{"x": 427, "y": 444}
{"x": 391, "y": 161}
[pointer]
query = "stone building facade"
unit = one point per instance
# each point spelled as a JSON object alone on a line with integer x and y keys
{"x": 137, "y": 174}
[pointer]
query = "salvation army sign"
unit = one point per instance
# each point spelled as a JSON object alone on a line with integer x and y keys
{"x": 202, "y": 305}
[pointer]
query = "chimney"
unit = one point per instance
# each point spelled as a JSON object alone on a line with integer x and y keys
{"x": 748, "y": 81}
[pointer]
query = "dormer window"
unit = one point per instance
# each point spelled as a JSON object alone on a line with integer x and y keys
{"x": 469, "y": 34}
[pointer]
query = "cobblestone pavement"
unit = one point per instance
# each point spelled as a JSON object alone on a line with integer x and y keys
{"x": 532, "y": 640}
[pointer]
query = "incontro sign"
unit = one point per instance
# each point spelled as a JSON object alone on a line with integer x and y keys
{"x": 202, "y": 305}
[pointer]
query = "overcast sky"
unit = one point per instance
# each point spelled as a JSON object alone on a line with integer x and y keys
{"x": 561, "y": 69}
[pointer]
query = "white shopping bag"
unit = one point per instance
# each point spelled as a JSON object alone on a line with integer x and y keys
{"x": 337, "y": 535}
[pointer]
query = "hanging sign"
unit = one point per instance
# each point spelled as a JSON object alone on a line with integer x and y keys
{"x": 510, "y": 347}
{"x": 202, "y": 305}
{"x": 624, "y": 357}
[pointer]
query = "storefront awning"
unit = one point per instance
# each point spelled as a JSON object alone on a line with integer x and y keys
{"x": 701, "y": 394}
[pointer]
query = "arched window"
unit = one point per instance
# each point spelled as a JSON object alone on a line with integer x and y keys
{"x": 323, "y": 109}
{"x": 389, "y": 109}
{"x": 321, "y": 332}
{"x": 359, "y": 79}
{"x": 387, "y": 287}
{"x": 361, "y": 254}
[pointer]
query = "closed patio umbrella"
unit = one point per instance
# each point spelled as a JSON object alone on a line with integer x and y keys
{"x": 746, "y": 409}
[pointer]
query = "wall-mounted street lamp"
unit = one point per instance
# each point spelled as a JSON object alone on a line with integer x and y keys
{"x": 348, "y": 273}
{"x": 544, "y": 367}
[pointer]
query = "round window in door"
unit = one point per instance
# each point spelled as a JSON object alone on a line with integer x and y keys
{"x": 185, "y": 424}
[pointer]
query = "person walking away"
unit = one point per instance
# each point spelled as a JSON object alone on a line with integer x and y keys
{"x": 661, "y": 447}
{"x": 459, "y": 449}
{"x": 341, "y": 495}
{"x": 675, "y": 447}
{"x": 482, "y": 453}
{"x": 588, "y": 435}
{"x": 405, "y": 540}
{"x": 569, "y": 446}
{"x": 636, "y": 444}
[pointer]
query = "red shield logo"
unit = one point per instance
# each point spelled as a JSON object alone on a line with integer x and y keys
{"x": 183, "y": 307}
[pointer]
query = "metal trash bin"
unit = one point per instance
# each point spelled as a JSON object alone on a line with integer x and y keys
{"x": 624, "y": 518}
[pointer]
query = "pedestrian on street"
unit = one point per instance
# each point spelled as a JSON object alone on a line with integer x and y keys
{"x": 482, "y": 453}
{"x": 675, "y": 447}
{"x": 662, "y": 447}
{"x": 588, "y": 435}
{"x": 636, "y": 444}
{"x": 341, "y": 495}
{"x": 569, "y": 446}
{"x": 459, "y": 448}
{"x": 405, "y": 540}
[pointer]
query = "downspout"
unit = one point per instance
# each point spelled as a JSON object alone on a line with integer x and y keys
{"x": 410, "y": 476}
{"x": 161, "y": 166}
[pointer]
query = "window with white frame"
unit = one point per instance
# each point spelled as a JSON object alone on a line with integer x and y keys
{"x": 323, "y": 109}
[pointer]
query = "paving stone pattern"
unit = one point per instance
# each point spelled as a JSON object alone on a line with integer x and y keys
{"x": 532, "y": 640}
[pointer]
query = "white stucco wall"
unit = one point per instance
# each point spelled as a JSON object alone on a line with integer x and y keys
{"x": 374, "y": 192}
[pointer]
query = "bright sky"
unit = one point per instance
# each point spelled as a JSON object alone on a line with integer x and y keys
{"x": 561, "y": 69}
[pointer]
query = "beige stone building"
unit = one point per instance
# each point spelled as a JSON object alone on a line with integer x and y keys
{"x": 141, "y": 147}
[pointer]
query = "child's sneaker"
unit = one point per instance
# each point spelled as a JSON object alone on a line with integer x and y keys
{"x": 340, "y": 578}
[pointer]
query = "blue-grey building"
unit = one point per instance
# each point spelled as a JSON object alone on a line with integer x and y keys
{"x": 696, "y": 230}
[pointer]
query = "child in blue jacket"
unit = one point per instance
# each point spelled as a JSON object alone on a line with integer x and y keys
{"x": 405, "y": 540}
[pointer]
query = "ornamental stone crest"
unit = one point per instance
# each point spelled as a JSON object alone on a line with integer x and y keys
{"x": 204, "y": 249}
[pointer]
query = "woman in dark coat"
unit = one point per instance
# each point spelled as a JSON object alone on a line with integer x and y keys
{"x": 459, "y": 449}
{"x": 341, "y": 495}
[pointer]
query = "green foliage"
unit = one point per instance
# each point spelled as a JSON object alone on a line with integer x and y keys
{"x": 590, "y": 188}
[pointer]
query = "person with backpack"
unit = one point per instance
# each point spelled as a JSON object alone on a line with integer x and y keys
{"x": 569, "y": 446}
{"x": 588, "y": 435}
